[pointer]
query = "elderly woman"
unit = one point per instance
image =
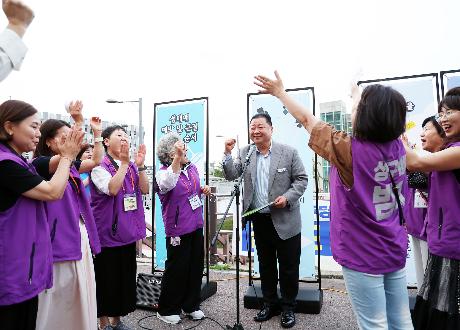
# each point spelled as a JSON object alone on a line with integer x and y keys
{"x": 180, "y": 195}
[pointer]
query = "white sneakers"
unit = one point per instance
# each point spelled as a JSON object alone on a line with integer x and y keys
{"x": 174, "y": 319}
{"x": 171, "y": 319}
{"x": 196, "y": 315}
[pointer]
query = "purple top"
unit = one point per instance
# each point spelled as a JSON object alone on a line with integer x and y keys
{"x": 25, "y": 248}
{"x": 178, "y": 216}
{"x": 443, "y": 213}
{"x": 366, "y": 234}
{"x": 64, "y": 217}
{"x": 117, "y": 227}
{"x": 415, "y": 216}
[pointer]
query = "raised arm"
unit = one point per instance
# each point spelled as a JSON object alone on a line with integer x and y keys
{"x": 98, "y": 153}
{"x": 140, "y": 160}
{"x": 232, "y": 168}
{"x": 276, "y": 88}
{"x": 117, "y": 180}
{"x": 444, "y": 160}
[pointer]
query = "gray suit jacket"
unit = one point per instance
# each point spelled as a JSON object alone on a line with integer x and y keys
{"x": 287, "y": 177}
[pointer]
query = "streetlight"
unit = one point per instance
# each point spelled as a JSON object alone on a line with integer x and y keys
{"x": 141, "y": 133}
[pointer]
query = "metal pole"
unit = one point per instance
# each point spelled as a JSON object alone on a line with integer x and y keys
{"x": 141, "y": 133}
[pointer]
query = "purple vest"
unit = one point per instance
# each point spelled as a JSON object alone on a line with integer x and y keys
{"x": 25, "y": 248}
{"x": 117, "y": 227}
{"x": 178, "y": 216}
{"x": 64, "y": 217}
{"x": 444, "y": 214}
{"x": 415, "y": 217}
{"x": 366, "y": 234}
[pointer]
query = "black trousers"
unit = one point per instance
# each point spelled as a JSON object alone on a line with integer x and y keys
{"x": 181, "y": 282}
{"x": 21, "y": 316}
{"x": 270, "y": 249}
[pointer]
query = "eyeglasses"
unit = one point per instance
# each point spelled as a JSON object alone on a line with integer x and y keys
{"x": 446, "y": 114}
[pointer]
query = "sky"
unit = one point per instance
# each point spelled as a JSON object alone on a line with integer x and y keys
{"x": 172, "y": 50}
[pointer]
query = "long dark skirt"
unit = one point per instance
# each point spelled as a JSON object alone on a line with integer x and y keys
{"x": 438, "y": 300}
{"x": 115, "y": 270}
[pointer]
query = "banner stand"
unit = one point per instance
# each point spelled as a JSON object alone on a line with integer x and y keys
{"x": 309, "y": 298}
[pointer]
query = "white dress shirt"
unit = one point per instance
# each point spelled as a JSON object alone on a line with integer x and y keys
{"x": 12, "y": 52}
{"x": 167, "y": 179}
{"x": 101, "y": 178}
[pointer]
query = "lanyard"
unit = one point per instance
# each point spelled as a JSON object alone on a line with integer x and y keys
{"x": 189, "y": 185}
{"x": 75, "y": 184}
{"x": 115, "y": 165}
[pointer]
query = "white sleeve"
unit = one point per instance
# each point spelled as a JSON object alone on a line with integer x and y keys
{"x": 166, "y": 180}
{"x": 101, "y": 178}
{"x": 12, "y": 52}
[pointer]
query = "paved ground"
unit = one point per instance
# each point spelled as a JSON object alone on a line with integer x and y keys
{"x": 335, "y": 314}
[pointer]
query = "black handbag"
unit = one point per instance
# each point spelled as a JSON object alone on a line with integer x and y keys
{"x": 148, "y": 290}
{"x": 417, "y": 180}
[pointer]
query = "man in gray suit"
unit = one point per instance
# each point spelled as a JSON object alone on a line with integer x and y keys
{"x": 276, "y": 175}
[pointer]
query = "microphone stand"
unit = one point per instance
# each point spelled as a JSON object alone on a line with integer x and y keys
{"x": 236, "y": 194}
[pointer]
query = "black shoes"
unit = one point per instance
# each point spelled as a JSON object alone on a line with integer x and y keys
{"x": 288, "y": 319}
{"x": 266, "y": 313}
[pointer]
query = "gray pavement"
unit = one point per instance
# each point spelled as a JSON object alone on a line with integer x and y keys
{"x": 336, "y": 312}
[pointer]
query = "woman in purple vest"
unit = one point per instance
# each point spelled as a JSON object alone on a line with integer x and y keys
{"x": 25, "y": 246}
{"x": 71, "y": 302}
{"x": 438, "y": 300}
{"x": 180, "y": 195}
{"x": 432, "y": 138}
{"x": 368, "y": 237}
{"x": 117, "y": 186}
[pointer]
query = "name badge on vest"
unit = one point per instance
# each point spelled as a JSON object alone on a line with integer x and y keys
{"x": 195, "y": 201}
{"x": 420, "y": 202}
{"x": 130, "y": 202}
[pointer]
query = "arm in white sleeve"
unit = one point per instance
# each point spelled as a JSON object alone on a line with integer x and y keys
{"x": 12, "y": 52}
{"x": 101, "y": 178}
{"x": 167, "y": 180}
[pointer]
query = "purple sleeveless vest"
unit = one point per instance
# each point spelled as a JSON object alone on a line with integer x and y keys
{"x": 415, "y": 217}
{"x": 64, "y": 218}
{"x": 25, "y": 248}
{"x": 178, "y": 216}
{"x": 117, "y": 227}
{"x": 366, "y": 234}
{"x": 444, "y": 214}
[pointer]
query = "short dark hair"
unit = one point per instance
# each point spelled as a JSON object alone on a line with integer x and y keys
{"x": 436, "y": 125}
{"x": 48, "y": 129}
{"x": 13, "y": 111}
{"x": 380, "y": 115}
{"x": 451, "y": 100}
{"x": 267, "y": 117}
{"x": 108, "y": 131}
{"x": 83, "y": 150}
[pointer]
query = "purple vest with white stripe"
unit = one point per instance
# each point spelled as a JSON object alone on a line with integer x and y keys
{"x": 366, "y": 234}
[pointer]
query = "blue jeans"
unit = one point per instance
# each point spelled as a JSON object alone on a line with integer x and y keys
{"x": 379, "y": 301}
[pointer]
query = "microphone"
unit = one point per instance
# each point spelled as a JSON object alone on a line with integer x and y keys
{"x": 252, "y": 147}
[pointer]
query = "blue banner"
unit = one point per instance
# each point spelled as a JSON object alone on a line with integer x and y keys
{"x": 189, "y": 120}
{"x": 289, "y": 131}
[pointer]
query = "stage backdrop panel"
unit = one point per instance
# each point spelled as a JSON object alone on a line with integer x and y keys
{"x": 422, "y": 97}
{"x": 288, "y": 131}
{"x": 189, "y": 118}
{"x": 449, "y": 79}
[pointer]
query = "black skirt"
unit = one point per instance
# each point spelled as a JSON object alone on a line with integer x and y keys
{"x": 115, "y": 270}
{"x": 21, "y": 316}
{"x": 438, "y": 300}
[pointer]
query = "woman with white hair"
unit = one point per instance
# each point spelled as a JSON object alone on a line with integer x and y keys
{"x": 180, "y": 195}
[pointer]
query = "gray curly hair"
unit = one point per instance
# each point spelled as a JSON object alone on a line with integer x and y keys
{"x": 165, "y": 147}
